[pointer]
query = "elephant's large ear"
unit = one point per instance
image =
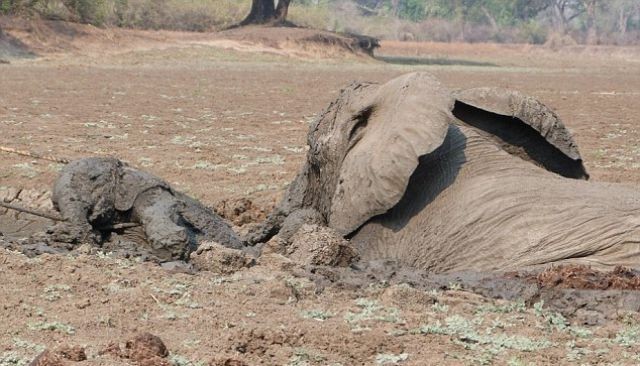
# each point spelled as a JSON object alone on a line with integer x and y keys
{"x": 406, "y": 118}
{"x": 523, "y": 126}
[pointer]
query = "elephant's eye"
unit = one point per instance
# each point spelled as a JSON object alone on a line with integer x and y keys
{"x": 361, "y": 120}
{"x": 356, "y": 132}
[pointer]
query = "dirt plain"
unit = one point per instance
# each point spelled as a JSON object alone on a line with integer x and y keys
{"x": 222, "y": 119}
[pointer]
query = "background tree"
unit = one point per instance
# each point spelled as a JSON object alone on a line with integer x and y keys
{"x": 521, "y": 21}
{"x": 592, "y": 7}
{"x": 564, "y": 12}
{"x": 267, "y": 12}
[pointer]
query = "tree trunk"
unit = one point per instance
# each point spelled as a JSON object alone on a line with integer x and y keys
{"x": 592, "y": 32}
{"x": 282, "y": 11}
{"x": 491, "y": 19}
{"x": 265, "y": 11}
{"x": 623, "y": 20}
{"x": 561, "y": 19}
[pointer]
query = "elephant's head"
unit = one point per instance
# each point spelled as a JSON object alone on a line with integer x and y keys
{"x": 93, "y": 189}
{"x": 366, "y": 145}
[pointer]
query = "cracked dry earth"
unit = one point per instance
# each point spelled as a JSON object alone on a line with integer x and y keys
{"x": 223, "y": 126}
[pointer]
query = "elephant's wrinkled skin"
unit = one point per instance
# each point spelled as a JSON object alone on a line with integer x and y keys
{"x": 482, "y": 179}
{"x": 94, "y": 193}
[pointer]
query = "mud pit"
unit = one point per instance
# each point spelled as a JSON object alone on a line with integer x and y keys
{"x": 211, "y": 133}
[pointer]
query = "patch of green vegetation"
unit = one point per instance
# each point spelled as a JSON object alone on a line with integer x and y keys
{"x": 178, "y": 360}
{"x": 294, "y": 149}
{"x": 205, "y": 165}
{"x": 440, "y": 308}
{"x": 390, "y": 359}
{"x": 515, "y": 361}
{"x": 372, "y": 310}
{"x": 13, "y": 359}
{"x": 553, "y": 320}
{"x": 52, "y": 292}
{"x": 53, "y": 326}
{"x": 36, "y": 348}
{"x": 433, "y": 293}
{"x": 466, "y": 335}
{"x": 187, "y": 302}
{"x": 176, "y": 289}
{"x": 628, "y": 337}
{"x": 580, "y": 332}
{"x": 303, "y": 357}
{"x": 179, "y": 292}
{"x": 319, "y": 315}
{"x": 274, "y": 159}
{"x": 575, "y": 353}
{"x": 296, "y": 286}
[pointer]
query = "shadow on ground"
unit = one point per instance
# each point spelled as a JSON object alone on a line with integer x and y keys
{"x": 402, "y": 60}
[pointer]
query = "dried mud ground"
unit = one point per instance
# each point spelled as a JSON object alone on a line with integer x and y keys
{"x": 221, "y": 124}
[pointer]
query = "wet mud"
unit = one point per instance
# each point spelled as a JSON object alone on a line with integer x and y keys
{"x": 586, "y": 305}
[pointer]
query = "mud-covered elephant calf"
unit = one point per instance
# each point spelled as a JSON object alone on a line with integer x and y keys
{"x": 93, "y": 194}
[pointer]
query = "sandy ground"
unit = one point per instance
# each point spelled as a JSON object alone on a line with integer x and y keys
{"x": 227, "y": 123}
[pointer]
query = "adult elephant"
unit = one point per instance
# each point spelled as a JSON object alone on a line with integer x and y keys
{"x": 483, "y": 179}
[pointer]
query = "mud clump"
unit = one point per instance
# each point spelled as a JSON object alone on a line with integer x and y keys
{"x": 145, "y": 349}
{"x": 585, "y": 278}
{"x": 321, "y": 246}
{"x": 216, "y": 258}
{"x": 48, "y": 358}
{"x": 261, "y": 342}
{"x": 72, "y": 353}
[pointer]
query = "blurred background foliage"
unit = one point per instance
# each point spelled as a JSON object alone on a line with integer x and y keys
{"x": 505, "y": 21}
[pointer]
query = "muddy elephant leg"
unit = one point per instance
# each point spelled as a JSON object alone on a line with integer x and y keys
{"x": 296, "y": 219}
{"x": 264, "y": 231}
{"x": 158, "y": 211}
{"x": 207, "y": 225}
